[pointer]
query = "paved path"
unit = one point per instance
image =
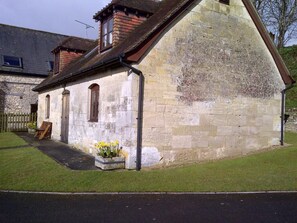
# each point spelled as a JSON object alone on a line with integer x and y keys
{"x": 61, "y": 153}
{"x": 244, "y": 208}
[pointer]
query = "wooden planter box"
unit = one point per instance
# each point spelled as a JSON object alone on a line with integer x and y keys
{"x": 110, "y": 163}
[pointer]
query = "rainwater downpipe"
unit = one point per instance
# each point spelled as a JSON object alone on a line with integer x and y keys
{"x": 140, "y": 111}
{"x": 283, "y": 113}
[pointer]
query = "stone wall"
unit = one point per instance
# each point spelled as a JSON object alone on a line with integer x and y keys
{"x": 212, "y": 89}
{"x": 117, "y": 112}
{"x": 16, "y": 95}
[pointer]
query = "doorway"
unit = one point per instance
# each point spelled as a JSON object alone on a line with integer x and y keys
{"x": 65, "y": 116}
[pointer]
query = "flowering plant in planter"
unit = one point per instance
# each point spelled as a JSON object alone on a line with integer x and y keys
{"x": 108, "y": 156}
{"x": 108, "y": 149}
{"x": 32, "y": 125}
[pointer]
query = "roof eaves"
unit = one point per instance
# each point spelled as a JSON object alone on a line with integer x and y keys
{"x": 77, "y": 74}
{"x": 23, "y": 73}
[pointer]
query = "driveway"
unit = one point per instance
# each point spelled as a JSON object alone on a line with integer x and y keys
{"x": 270, "y": 208}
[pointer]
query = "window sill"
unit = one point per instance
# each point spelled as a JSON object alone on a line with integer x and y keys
{"x": 93, "y": 120}
{"x": 105, "y": 49}
{"x": 11, "y": 66}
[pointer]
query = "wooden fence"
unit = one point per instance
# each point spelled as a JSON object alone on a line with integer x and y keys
{"x": 10, "y": 122}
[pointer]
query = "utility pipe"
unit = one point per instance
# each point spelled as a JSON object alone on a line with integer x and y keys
{"x": 283, "y": 112}
{"x": 140, "y": 111}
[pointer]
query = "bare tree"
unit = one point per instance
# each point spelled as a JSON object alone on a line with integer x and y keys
{"x": 280, "y": 18}
{"x": 260, "y": 6}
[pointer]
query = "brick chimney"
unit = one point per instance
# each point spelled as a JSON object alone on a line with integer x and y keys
{"x": 69, "y": 50}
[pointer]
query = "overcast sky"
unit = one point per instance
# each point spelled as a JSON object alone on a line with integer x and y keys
{"x": 56, "y": 16}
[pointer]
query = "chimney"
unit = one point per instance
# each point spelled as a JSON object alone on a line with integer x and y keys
{"x": 63, "y": 58}
{"x": 69, "y": 50}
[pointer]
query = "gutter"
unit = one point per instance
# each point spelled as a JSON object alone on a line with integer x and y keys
{"x": 140, "y": 111}
{"x": 283, "y": 92}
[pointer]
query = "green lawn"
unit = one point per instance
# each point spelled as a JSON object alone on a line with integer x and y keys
{"x": 9, "y": 139}
{"x": 29, "y": 169}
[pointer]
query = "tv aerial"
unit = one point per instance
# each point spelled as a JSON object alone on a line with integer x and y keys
{"x": 87, "y": 26}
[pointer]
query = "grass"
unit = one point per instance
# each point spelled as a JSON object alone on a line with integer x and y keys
{"x": 9, "y": 139}
{"x": 29, "y": 169}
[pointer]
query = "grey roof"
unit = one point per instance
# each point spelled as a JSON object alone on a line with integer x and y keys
{"x": 33, "y": 46}
{"x": 75, "y": 44}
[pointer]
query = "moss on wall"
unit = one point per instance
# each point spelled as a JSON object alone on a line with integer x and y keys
{"x": 223, "y": 56}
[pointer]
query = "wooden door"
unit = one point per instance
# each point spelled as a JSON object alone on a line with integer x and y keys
{"x": 65, "y": 116}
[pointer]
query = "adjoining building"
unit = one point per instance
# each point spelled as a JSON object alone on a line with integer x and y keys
{"x": 25, "y": 60}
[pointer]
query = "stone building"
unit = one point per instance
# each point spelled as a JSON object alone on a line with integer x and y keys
{"x": 25, "y": 60}
{"x": 175, "y": 81}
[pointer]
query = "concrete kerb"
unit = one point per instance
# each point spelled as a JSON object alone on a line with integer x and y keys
{"x": 147, "y": 193}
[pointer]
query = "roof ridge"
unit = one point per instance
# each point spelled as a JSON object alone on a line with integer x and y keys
{"x": 35, "y": 30}
{"x": 149, "y": 10}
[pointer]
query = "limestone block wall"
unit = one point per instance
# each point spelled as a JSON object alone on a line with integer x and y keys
{"x": 212, "y": 89}
{"x": 16, "y": 95}
{"x": 55, "y": 110}
{"x": 117, "y": 112}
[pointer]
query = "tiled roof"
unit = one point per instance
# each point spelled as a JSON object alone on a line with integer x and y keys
{"x": 75, "y": 43}
{"x": 149, "y": 6}
{"x": 33, "y": 46}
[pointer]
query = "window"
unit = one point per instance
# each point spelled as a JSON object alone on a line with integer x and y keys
{"x": 225, "y": 1}
{"x": 57, "y": 63}
{"x": 12, "y": 61}
{"x": 106, "y": 33}
{"x": 47, "y": 106}
{"x": 94, "y": 102}
{"x": 50, "y": 65}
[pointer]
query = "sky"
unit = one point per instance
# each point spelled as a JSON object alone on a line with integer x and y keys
{"x": 57, "y": 16}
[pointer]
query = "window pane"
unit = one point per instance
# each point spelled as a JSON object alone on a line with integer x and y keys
{"x": 104, "y": 43}
{"x": 104, "y": 29}
{"x": 110, "y": 25}
{"x": 12, "y": 61}
{"x": 110, "y": 38}
{"x": 50, "y": 65}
